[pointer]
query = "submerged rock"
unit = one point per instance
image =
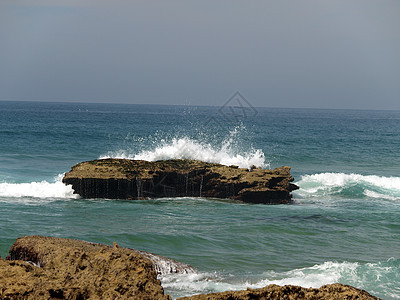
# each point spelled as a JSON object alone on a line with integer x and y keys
{"x": 138, "y": 179}
{"x": 290, "y": 292}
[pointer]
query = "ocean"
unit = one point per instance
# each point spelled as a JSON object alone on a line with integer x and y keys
{"x": 343, "y": 226}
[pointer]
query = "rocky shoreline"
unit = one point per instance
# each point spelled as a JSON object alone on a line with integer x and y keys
{"x": 39, "y": 267}
{"x": 138, "y": 179}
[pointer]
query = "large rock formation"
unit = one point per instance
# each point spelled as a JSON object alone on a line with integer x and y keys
{"x": 138, "y": 179}
{"x": 54, "y": 268}
{"x": 290, "y": 292}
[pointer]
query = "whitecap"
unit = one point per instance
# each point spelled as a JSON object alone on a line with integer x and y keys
{"x": 348, "y": 185}
{"x": 42, "y": 189}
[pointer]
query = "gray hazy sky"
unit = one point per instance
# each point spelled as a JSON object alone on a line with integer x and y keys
{"x": 322, "y": 54}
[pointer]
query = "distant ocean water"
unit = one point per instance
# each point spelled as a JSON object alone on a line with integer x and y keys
{"x": 343, "y": 227}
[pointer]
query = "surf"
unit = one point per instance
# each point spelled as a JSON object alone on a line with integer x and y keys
{"x": 342, "y": 185}
{"x": 36, "y": 189}
{"x": 360, "y": 275}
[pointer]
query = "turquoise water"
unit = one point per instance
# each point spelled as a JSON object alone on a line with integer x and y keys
{"x": 344, "y": 225}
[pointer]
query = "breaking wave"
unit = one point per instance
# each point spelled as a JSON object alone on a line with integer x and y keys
{"x": 379, "y": 279}
{"x": 43, "y": 189}
{"x": 349, "y": 186}
{"x": 227, "y": 153}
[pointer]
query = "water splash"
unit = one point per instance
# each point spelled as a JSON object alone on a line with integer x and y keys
{"x": 227, "y": 152}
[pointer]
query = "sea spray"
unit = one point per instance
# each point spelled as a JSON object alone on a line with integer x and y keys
{"x": 228, "y": 152}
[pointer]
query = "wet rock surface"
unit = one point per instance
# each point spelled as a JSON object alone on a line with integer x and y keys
{"x": 164, "y": 265}
{"x": 138, "y": 179}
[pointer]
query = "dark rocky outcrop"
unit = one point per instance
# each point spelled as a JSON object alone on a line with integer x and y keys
{"x": 138, "y": 179}
{"x": 290, "y": 292}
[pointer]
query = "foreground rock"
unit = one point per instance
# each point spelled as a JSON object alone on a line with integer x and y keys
{"x": 43, "y": 267}
{"x": 138, "y": 179}
{"x": 290, "y": 292}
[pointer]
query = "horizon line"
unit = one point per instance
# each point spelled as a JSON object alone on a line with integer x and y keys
{"x": 196, "y": 105}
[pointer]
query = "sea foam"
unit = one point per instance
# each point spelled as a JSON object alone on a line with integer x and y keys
{"x": 43, "y": 189}
{"x": 364, "y": 276}
{"x": 349, "y": 185}
{"x": 226, "y": 153}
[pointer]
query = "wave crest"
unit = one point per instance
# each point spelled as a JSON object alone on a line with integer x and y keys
{"x": 349, "y": 185}
{"x": 43, "y": 189}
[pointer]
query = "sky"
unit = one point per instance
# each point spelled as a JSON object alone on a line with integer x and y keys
{"x": 297, "y": 54}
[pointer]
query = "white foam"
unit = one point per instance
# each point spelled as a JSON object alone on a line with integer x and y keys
{"x": 179, "y": 285}
{"x": 315, "y": 276}
{"x": 43, "y": 189}
{"x": 325, "y": 184}
{"x": 374, "y": 277}
{"x": 187, "y": 148}
{"x": 376, "y": 195}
